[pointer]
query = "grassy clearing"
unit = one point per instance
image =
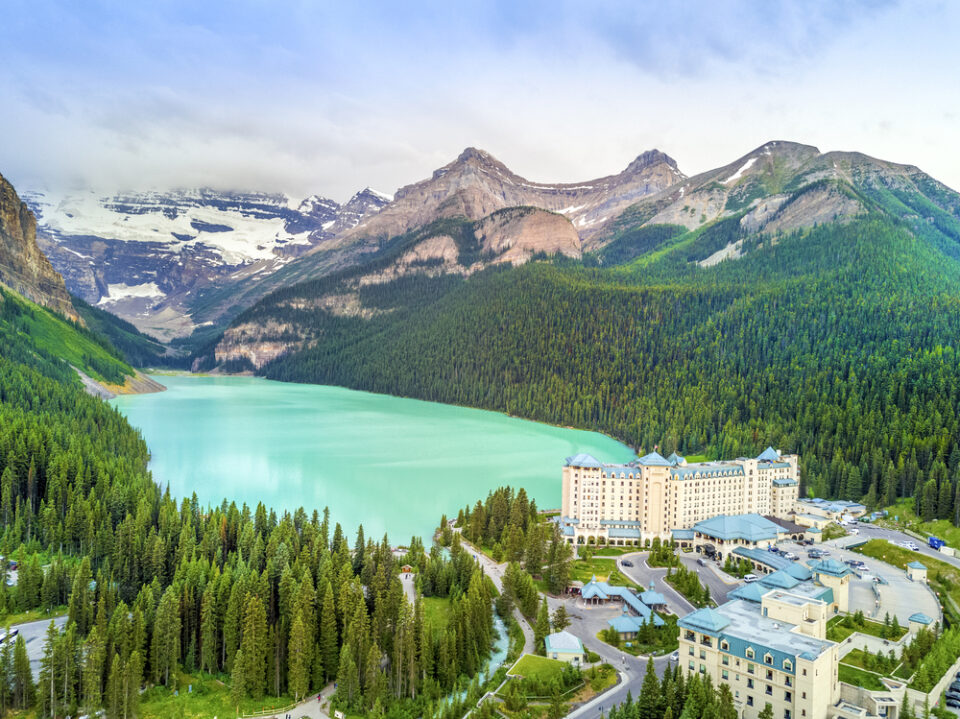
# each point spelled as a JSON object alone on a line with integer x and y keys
{"x": 906, "y": 519}
{"x": 210, "y": 697}
{"x": 437, "y": 612}
{"x": 858, "y": 677}
{"x": 537, "y": 667}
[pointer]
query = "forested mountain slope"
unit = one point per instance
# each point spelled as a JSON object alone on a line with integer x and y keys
{"x": 156, "y": 590}
{"x": 836, "y": 341}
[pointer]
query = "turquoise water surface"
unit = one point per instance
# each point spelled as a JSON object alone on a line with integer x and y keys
{"x": 392, "y": 464}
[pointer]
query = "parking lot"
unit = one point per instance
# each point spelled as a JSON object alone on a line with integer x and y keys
{"x": 898, "y": 595}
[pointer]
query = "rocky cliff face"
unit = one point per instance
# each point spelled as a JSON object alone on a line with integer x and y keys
{"x": 23, "y": 266}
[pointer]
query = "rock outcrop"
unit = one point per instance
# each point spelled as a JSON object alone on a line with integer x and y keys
{"x": 23, "y": 266}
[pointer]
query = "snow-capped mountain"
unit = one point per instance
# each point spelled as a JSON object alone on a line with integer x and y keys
{"x": 144, "y": 255}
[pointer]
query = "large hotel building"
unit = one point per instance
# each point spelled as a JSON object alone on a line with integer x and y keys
{"x": 652, "y": 496}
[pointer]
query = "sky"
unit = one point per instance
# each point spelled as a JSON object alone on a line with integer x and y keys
{"x": 329, "y": 97}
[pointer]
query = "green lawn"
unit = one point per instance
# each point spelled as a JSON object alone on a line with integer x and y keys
{"x": 614, "y": 551}
{"x": 32, "y": 616}
{"x": 537, "y": 667}
{"x": 859, "y": 677}
{"x": 210, "y": 697}
{"x": 436, "y": 611}
{"x": 839, "y": 628}
{"x": 604, "y": 568}
{"x": 943, "y": 578}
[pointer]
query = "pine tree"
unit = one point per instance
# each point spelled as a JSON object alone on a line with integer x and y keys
{"x": 94, "y": 656}
{"x": 254, "y": 646}
{"x": 328, "y": 656}
{"x": 209, "y": 651}
{"x": 560, "y": 619}
{"x": 348, "y": 686}
{"x": 132, "y": 679}
{"x": 165, "y": 648}
{"x": 22, "y": 676}
{"x": 299, "y": 659}
{"x": 542, "y": 627}
{"x": 238, "y": 687}
{"x": 48, "y": 672}
{"x": 648, "y": 704}
{"x": 114, "y": 699}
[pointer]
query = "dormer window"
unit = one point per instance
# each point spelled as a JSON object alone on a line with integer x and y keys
{"x": 768, "y": 659}
{"x": 788, "y": 665}
{"x": 749, "y": 652}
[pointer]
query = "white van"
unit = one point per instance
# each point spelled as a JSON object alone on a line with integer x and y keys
{"x": 750, "y": 578}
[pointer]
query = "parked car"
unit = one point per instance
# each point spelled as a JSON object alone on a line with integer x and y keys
{"x": 955, "y": 686}
{"x": 675, "y": 656}
{"x": 790, "y": 555}
{"x": 627, "y": 563}
{"x": 952, "y": 694}
{"x": 701, "y": 562}
{"x": 953, "y": 703}
{"x": 814, "y": 554}
{"x": 854, "y": 530}
{"x": 751, "y": 578}
{"x": 808, "y": 541}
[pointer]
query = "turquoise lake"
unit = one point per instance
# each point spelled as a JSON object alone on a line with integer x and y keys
{"x": 395, "y": 465}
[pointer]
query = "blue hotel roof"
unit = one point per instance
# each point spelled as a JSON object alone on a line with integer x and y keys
{"x": 749, "y": 527}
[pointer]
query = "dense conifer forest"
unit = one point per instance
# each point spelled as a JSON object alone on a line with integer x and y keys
{"x": 838, "y": 343}
{"x": 154, "y": 587}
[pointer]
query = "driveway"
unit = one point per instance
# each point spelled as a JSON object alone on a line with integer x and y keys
{"x": 643, "y": 574}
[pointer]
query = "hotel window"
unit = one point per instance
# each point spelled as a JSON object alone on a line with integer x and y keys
{"x": 749, "y": 683}
{"x": 749, "y": 653}
{"x": 691, "y": 666}
{"x": 749, "y": 701}
{"x": 725, "y": 674}
{"x": 725, "y": 659}
{"x": 787, "y": 696}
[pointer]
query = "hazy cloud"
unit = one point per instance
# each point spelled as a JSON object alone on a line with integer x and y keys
{"x": 329, "y": 97}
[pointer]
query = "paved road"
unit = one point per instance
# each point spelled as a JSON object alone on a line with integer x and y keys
{"x": 33, "y": 634}
{"x": 409, "y": 586}
{"x": 643, "y": 574}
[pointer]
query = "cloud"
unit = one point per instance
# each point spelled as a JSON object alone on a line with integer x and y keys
{"x": 329, "y": 97}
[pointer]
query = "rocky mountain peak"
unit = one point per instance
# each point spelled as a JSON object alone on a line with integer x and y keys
{"x": 648, "y": 159}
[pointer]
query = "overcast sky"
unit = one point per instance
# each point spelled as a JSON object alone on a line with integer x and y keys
{"x": 310, "y": 97}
